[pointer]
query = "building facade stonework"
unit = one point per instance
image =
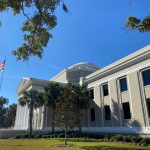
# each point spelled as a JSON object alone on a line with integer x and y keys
{"x": 120, "y": 93}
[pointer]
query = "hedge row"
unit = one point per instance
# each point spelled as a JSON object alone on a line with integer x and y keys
{"x": 101, "y": 137}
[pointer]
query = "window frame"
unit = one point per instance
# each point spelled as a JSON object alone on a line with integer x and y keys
{"x": 106, "y": 119}
{"x": 91, "y": 119}
{"x": 106, "y": 83}
{"x": 119, "y": 79}
{"x": 143, "y": 77}
{"x": 90, "y": 93}
{"x": 130, "y": 117}
{"x": 148, "y": 108}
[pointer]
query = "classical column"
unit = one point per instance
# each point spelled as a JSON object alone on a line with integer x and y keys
{"x": 43, "y": 117}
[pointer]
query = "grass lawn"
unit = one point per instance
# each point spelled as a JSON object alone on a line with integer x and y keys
{"x": 48, "y": 144}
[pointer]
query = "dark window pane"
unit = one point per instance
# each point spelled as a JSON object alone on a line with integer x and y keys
{"x": 107, "y": 113}
{"x": 105, "y": 90}
{"x": 87, "y": 93}
{"x": 123, "y": 84}
{"x": 126, "y": 110}
{"x": 92, "y": 114}
{"x": 91, "y": 93}
{"x": 146, "y": 77}
{"x": 148, "y": 106}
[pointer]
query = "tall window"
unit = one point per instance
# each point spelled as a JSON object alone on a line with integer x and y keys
{"x": 146, "y": 77}
{"x": 92, "y": 114}
{"x": 126, "y": 110}
{"x": 105, "y": 89}
{"x": 91, "y": 93}
{"x": 123, "y": 84}
{"x": 148, "y": 106}
{"x": 107, "y": 113}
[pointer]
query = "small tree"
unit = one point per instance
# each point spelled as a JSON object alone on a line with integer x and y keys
{"x": 3, "y": 103}
{"x": 33, "y": 99}
{"x": 10, "y": 115}
{"x": 52, "y": 91}
{"x": 66, "y": 111}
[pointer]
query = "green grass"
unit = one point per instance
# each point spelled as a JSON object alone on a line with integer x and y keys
{"x": 78, "y": 144}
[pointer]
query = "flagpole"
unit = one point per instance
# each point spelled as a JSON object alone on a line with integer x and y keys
{"x": 2, "y": 75}
{"x": 1, "y": 80}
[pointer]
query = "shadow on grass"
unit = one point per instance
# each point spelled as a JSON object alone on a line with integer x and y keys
{"x": 105, "y": 148}
{"x": 80, "y": 140}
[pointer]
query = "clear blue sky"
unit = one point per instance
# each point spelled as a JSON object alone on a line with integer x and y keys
{"x": 92, "y": 32}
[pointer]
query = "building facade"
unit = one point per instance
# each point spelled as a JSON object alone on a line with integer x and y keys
{"x": 120, "y": 93}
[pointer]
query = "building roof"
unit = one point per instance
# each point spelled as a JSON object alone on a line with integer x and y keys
{"x": 79, "y": 66}
{"x": 84, "y": 65}
{"x": 125, "y": 62}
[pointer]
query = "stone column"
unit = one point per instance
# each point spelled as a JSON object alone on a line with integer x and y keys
{"x": 43, "y": 117}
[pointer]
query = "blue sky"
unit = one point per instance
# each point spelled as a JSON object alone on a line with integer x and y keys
{"x": 92, "y": 32}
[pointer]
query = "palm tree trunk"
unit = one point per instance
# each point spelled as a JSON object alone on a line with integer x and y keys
{"x": 53, "y": 116}
{"x": 30, "y": 120}
{"x": 80, "y": 118}
{"x": 80, "y": 128}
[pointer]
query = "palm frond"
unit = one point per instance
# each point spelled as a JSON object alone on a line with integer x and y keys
{"x": 65, "y": 8}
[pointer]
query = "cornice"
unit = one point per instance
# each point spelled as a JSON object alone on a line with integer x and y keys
{"x": 123, "y": 63}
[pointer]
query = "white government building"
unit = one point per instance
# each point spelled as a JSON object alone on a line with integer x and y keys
{"x": 120, "y": 93}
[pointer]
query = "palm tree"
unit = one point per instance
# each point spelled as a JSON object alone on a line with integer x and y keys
{"x": 52, "y": 91}
{"x": 33, "y": 99}
{"x": 82, "y": 100}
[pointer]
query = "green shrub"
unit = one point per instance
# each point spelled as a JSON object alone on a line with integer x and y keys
{"x": 108, "y": 136}
{"x": 118, "y": 138}
{"x": 37, "y": 136}
{"x": 17, "y": 136}
{"x": 127, "y": 138}
{"x": 136, "y": 139}
{"x": 46, "y": 136}
{"x": 145, "y": 141}
{"x": 62, "y": 135}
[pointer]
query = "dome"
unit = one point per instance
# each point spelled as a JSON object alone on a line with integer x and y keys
{"x": 84, "y": 65}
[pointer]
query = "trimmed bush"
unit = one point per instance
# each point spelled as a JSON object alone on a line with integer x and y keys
{"x": 127, "y": 138}
{"x": 118, "y": 138}
{"x": 102, "y": 137}
{"x": 136, "y": 139}
{"x": 145, "y": 141}
{"x": 62, "y": 135}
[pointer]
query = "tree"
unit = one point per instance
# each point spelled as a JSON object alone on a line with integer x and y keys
{"x": 142, "y": 25}
{"x": 10, "y": 115}
{"x": 52, "y": 92}
{"x": 33, "y": 99}
{"x": 40, "y": 19}
{"x": 3, "y": 103}
{"x": 134, "y": 23}
{"x": 66, "y": 111}
{"x": 82, "y": 100}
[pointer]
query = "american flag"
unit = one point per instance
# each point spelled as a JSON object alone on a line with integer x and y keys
{"x": 2, "y": 65}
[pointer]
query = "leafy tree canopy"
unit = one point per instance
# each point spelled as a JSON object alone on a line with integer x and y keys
{"x": 3, "y": 104}
{"x": 66, "y": 110}
{"x": 10, "y": 116}
{"x": 134, "y": 23}
{"x": 40, "y": 19}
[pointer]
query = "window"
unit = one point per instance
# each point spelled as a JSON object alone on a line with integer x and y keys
{"x": 123, "y": 84}
{"x": 126, "y": 110}
{"x": 146, "y": 77}
{"x": 148, "y": 106}
{"x": 91, "y": 93}
{"x": 92, "y": 114}
{"x": 105, "y": 89}
{"x": 107, "y": 113}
